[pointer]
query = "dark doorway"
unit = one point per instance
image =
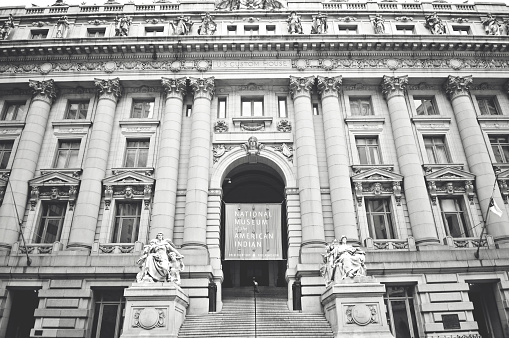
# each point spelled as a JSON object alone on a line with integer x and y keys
{"x": 482, "y": 295}
{"x": 21, "y": 317}
{"x": 254, "y": 183}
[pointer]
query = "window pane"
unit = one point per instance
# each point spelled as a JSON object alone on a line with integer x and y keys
{"x": 246, "y": 108}
{"x": 109, "y": 321}
{"x": 221, "y": 111}
{"x": 399, "y": 313}
{"x": 363, "y": 156}
{"x": 257, "y": 108}
{"x": 374, "y": 155}
{"x": 5, "y": 153}
{"x": 127, "y": 230}
{"x": 130, "y": 157}
{"x": 142, "y": 158}
{"x": 51, "y": 231}
{"x": 282, "y": 107}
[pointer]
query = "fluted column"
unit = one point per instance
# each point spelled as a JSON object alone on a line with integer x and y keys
{"x": 165, "y": 195}
{"x": 25, "y": 162}
{"x": 313, "y": 235}
{"x": 195, "y": 222}
{"x": 419, "y": 208}
{"x": 478, "y": 159}
{"x": 343, "y": 211}
{"x": 94, "y": 167}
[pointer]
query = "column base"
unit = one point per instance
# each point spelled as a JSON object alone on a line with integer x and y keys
{"x": 355, "y": 308}
{"x": 154, "y": 310}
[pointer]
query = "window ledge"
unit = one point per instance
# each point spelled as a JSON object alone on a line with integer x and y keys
{"x": 147, "y": 171}
{"x": 428, "y": 167}
{"x": 72, "y": 123}
{"x": 267, "y": 121}
{"x": 360, "y": 168}
{"x": 72, "y": 172}
{"x": 12, "y": 124}
{"x": 431, "y": 119}
{"x": 491, "y": 118}
{"x": 365, "y": 118}
{"x": 139, "y": 122}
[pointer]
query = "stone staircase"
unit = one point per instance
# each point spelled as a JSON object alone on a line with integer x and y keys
{"x": 273, "y": 318}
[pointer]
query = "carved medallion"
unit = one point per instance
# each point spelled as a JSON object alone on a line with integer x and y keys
{"x": 148, "y": 318}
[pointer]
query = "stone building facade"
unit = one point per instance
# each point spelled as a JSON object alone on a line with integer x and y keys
{"x": 387, "y": 122}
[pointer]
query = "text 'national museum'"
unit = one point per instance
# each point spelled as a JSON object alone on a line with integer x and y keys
{"x": 350, "y": 158}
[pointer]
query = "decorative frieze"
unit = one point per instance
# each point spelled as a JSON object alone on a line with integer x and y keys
{"x": 457, "y": 85}
{"x": 149, "y": 318}
{"x": 329, "y": 86}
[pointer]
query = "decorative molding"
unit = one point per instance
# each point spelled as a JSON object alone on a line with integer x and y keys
{"x": 301, "y": 86}
{"x": 457, "y": 85}
{"x": 286, "y": 150}
{"x": 329, "y": 86}
{"x": 128, "y": 185}
{"x": 361, "y": 314}
{"x": 44, "y": 89}
{"x": 54, "y": 185}
{"x": 450, "y": 181}
{"x": 221, "y": 126}
{"x": 404, "y": 18}
{"x": 202, "y": 87}
{"x": 347, "y": 19}
{"x": 110, "y": 88}
{"x": 174, "y": 87}
{"x": 394, "y": 85}
{"x": 148, "y": 318}
{"x": 284, "y": 126}
{"x": 219, "y": 150}
{"x": 252, "y": 147}
{"x": 377, "y": 182}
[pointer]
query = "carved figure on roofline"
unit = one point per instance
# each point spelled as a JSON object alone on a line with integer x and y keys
{"x": 435, "y": 24}
{"x": 319, "y": 25}
{"x": 6, "y": 27}
{"x": 160, "y": 262}
{"x": 491, "y": 25}
{"x": 62, "y": 25}
{"x": 122, "y": 24}
{"x": 228, "y": 5}
{"x": 378, "y": 24}
{"x": 342, "y": 261}
{"x": 208, "y": 26}
{"x": 182, "y": 25}
{"x": 294, "y": 24}
{"x": 271, "y": 4}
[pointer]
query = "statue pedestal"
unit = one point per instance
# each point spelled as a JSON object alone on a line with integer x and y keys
{"x": 355, "y": 308}
{"x": 154, "y": 310}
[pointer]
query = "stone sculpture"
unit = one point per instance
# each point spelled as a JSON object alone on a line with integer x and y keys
{"x": 182, "y": 25}
{"x": 160, "y": 262}
{"x": 342, "y": 261}
{"x": 122, "y": 24}
{"x": 378, "y": 23}
{"x": 319, "y": 25}
{"x": 294, "y": 24}
{"x": 62, "y": 25}
{"x": 252, "y": 146}
{"x": 435, "y": 24}
{"x": 491, "y": 25}
{"x": 208, "y": 26}
{"x": 6, "y": 27}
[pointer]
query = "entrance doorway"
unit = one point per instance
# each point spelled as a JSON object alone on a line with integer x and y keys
{"x": 254, "y": 183}
{"x": 482, "y": 295}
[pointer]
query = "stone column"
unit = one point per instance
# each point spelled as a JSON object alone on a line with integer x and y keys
{"x": 94, "y": 167}
{"x": 478, "y": 159}
{"x": 165, "y": 195}
{"x": 195, "y": 221}
{"x": 313, "y": 235}
{"x": 25, "y": 162}
{"x": 419, "y": 207}
{"x": 343, "y": 211}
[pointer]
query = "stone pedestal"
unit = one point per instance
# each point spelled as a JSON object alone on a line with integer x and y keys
{"x": 154, "y": 310}
{"x": 355, "y": 308}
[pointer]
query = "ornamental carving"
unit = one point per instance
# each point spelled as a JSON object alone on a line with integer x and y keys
{"x": 329, "y": 86}
{"x": 54, "y": 186}
{"x": 301, "y": 86}
{"x": 122, "y": 24}
{"x": 62, "y": 27}
{"x": 203, "y": 87}
{"x": 434, "y": 24}
{"x": 128, "y": 185}
{"x": 491, "y": 25}
{"x": 377, "y": 182}
{"x": 174, "y": 87}
{"x": 361, "y": 314}
{"x": 46, "y": 89}
{"x": 221, "y": 126}
{"x": 208, "y": 26}
{"x": 219, "y": 150}
{"x": 319, "y": 25}
{"x": 286, "y": 150}
{"x": 378, "y": 24}
{"x": 148, "y": 318}
{"x": 110, "y": 87}
{"x": 294, "y": 24}
{"x": 231, "y": 5}
{"x": 182, "y": 25}
{"x": 7, "y": 26}
{"x": 252, "y": 147}
{"x": 457, "y": 85}
{"x": 284, "y": 126}
{"x": 393, "y": 85}
{"x": 97, "y": 22}
{"x": 450, "y": 181}
{"x": 347, "y": 19}
{"x": 404, "y": 18}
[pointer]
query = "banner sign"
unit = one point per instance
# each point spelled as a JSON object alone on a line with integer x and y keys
{"x": 253, "y": 232}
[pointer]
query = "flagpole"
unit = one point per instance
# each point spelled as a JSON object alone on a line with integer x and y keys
{"x": 490, "y": 204}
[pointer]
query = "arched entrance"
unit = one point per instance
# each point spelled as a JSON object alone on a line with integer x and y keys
{"x": 254, "y": 183}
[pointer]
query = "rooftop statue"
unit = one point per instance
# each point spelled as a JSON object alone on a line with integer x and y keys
{"x": 319, "y": 25}
{"x": 6, "y": 27}
{"x": 62, "y": 25}
{"x": 378, "y": 23}
{"x": 122, "y": 24}
{"x": 435, "y": 24}
{"x": 208, "y": 26}
{"x": 342, "y": 261}
{"x": 294, "y": 24}
{"x": 491, "y": 25}
{"x": 182, "y": 25}
{"x": 160, "y": 262}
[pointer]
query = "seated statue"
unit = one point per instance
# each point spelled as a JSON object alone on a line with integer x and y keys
{"x": 160, "y": 262}
{"x": 342, "y": 261}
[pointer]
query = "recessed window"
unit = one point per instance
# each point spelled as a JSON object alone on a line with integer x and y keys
{"x": 360, "y": 106}
{"x": 5, "y": 153}
{"x": 13, "y": 111}
{"x": 77, "y": 110}
{"x": 379, "y": 217}
{"x": 500, "y": 147}
{"x": 127, "y": 222}
{"x": 399, "y": 301}
{"x": 368, "y": 150}
{"x": 96, "y": 32}
{"x": 252, "y": 106}
{"x": 270, "y": 29}
{"x": 108, "y": 314}
{"x": 232, "y": 30}
{"x": 347, "y": 29}
{"x": 221, "y": 107}
{"x": 436, "y": 150}
{"x": 36, "y": 34}
{"x": 67, "y": 154}
{"x": 154, "y": 31}
{"x": 281, "y": 106}
{"x": 189, "y": 110}
{"x": 461, "y": 30}
{"x": 454, "y": 218}
{"x": 424, "y": 106}
{"x": 315, "y": 109}
{"x": 251, "y": 30}
{"x": 136, "y": 154}
{"x": 52, "y": 219}
{"x": 488, "y": 105}
{"x": 142, "y": 109}
{"x": 407, "y": 30}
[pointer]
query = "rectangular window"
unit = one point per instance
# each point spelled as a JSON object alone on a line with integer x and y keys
{"x": 488, "y": 105}
{"x": 154, "y": 31}
{"x": 399, "y": 302}
{"x": 142, "y": 109}
{"x": 368, "y": 150}
{"x": 347, "y": 29}
{"x": 77, "y": 110}
{"x": 221, "y": 107}
{"x": 424, "y": 106}
{"x": 127, "y": 222}
{"x": 251, "y": 30}
{"x": 379, "y": 219}
{"x": 36, "y": 34}
{"x": 407, "y": 30}
{"x": 136, "y": 153}
{"x": 13, "y": 111}
{"x": 189, "y": 110}
{"x": 52, "y": 219}
{"x": 281, "y": 106}
{"x": 96, "y": 32}
{"x": 108, "y": 313}
{"x": 500, "y": 147}
{"x": 5, "y": 153}
{"x": 67, "y": 154}
{"x": 454, "y": 218}
{"x": 315, "y": 109}
{"x": 436, "y": 150}
{"x": 232, "y": 30}
{"x": 271, "y": 29}
{"x": 252, "y": 106}
{"x": 461, "y": 30}
{"x": 360, "y": 106}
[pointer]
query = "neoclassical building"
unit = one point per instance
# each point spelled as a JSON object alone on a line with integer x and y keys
{"x": 252, "y": 133}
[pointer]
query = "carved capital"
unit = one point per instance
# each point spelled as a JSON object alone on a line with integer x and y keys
{"x": 329, "y": 86}
{"x": 175, "y": 88}
{"x": 202, "y": 87}
{"x": 301, "y": 86}
{"x": 393, "y": 85}
{"x": 109, "y": 88}
{"x": 45, "y": 90}
{"x": 457, "y": 86}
